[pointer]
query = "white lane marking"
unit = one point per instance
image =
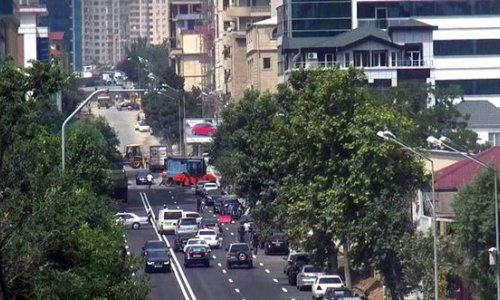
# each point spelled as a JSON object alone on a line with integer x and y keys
{"x": 284, "y": 290}
{"x": 261, "y": 264}
{"x": 237, "y": 291}
{"x": 176, "y": 272}
{"x": 172, "y": 197}
{"x": 224, "y": 271}
{"x": 219, "y": 264}
{"x": 214, "y": 257}
{"x": 125, "y": 241}
{"x": 232, "y": 233}
{"x": 275, "y": 280}
{"x": 230, "y": 280}
{"x": 175, "y": 202}
{"x": 176, "y": 261}
{"x": 267, "y": 271}
{"x": 227, "y": 228}
{"x": 170, "y": 192}
{"x": 210, "y": 211}
{"x": 178, "y": 207}
{"x": 215, "y": 216}
{"x": 254, "y": 256}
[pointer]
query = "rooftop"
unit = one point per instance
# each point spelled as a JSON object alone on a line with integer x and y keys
{"x": 480, "y": 113}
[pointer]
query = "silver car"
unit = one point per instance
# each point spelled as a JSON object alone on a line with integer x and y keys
{"x": 131, "y": 220}
{"x": 187, "y": 225}
{"x": 307, "y": 276}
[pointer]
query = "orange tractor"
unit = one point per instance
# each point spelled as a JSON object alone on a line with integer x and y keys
{"x": 134, "y": 157}
{"x": 186, "y": 171}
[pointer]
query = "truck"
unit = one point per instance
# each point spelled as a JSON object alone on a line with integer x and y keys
{"x": 104, "y": 101}
{"x": 157, "y": 156}
{"x": 186, "y": 171}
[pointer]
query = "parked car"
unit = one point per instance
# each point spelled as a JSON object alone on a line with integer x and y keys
{"x": 307, "y": 276}
{"x": 296, "y": 267}
{"x": 197, "y": 255}
{"x": 204, "y": 129}
{"x": 323, "y": 282}
{"x": 293, "y": 257}
{"x": 141, "y": 126}
{"x": 157, "y": 260}
{"x": 211, "y": 236}
{"x": 239, "y": 254}
{"x": 153, "y": 245}
{"x": 131, "y": 220}
{"x": 276, "y": 243}
{"x": 339, "y": 294}
{"x": 141, "y": 178}
{"x": 181, "y": 239}
{"x": 186, "y": 225}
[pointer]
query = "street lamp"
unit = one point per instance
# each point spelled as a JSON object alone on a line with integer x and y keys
{"x": 445, "y": 142}
{"x": 387, "y": 135}
{"x": 63, "y": 129}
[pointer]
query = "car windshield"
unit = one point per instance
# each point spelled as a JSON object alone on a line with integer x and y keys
{"x": 197, "y": 241}
{"x": 158, "y": 254}
{"x": 207, "y": 232}
{"x": 184, "y": 236}
{"x": 155, "y": 245}
{"x": 197, "y": 249}
{"x": 330, "y": 280}
{"x": 239, "y": 247}
{"x": 301, "y": 258}
{"x": 172, "y": 215}
{"x": 188, "y": 221}
{"x": 312, "y": 270}
{"x": 192, "y": 215}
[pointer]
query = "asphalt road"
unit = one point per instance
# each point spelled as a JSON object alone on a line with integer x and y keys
{"x": 265, "y": 281}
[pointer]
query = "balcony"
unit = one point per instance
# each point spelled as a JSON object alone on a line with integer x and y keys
{"x": 236, "y": 11}
{"x": 398, "y": 64}
{"x": 181, "y": 17}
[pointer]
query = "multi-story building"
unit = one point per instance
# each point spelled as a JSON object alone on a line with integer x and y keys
{"x": 445, "y": 42}
{"x": 106, "y": 32}
{"x": 139, "y": 20}
{"x": 262, "y": 55}
{"x": 9, "y": 23}
{"x": 33, "y": 39}
{"x": 159, "y": 31}
{"x": 232, "y": 21}
{"x": 66, "y": 16}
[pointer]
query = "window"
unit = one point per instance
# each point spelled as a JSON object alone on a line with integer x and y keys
{"x": 266, "y": 63}
{"x": 467, "y": 47}
{"x": 473, "y": 87}
{"x": 347, "y": 59}
{"x": 362, "y": 58}
{"x": 494, "y": 138}
{"x": 379, "y": 59}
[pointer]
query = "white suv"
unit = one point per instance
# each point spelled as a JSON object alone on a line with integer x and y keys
{"x": 210, "y": 186}
{"x": 323, "y": 282}
{"x": 168, "y": 219}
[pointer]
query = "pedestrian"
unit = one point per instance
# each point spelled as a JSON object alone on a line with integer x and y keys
{"x": 255, "y": 243}
{"x": 149, "y": 178}
{"x": 163, "y": 178}
{"x": 198, "y": 204}
{"x": 241, "y": 234}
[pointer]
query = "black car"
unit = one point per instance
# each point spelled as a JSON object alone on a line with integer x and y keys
{"x": 180, "y": 240}
{"x": 198, "y": 190}
{"x": 296, "y": 259}
{"x": 211, "y": 198}
{"x": 153, "y": 245}
{"x": 157, "y": 260}
{"x": 197, "y": 255}
{"x": 239, "y": 254}
{"x": 276, "y": 244}
{"x": 141, "y": 178}
{"x": 296, "y": 266}
{"x": 339, "y": 294}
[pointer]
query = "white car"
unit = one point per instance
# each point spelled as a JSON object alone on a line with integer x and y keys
{"x": 323, "y": 282}
{"x": 210, "y": 186}
{"x": 195, "y": 242}
{"x": 307, "y": 276}
{"x": 141, "y": 126}
{"x": 131, "y": 220}
{"x": 192, "y": 214}
{"x": 210, "y": 236}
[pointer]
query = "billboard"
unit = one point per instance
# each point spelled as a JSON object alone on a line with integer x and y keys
{"x": 199, "y": 131}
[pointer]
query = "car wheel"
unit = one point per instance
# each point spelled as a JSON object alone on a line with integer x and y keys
{"x": 136, "y": 225}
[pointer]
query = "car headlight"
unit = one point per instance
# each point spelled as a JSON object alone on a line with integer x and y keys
{"x": 150, "y": 263}
{"x": 166, "y": 262}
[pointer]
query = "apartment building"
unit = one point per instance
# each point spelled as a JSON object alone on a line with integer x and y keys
{"x": 139, "y": 19}
{"x": 444, "y": 42}
{"x": 159, "y": 22}
{"x": 106, "y": 31}
{"x": 262, "y": 55}
{"x": 233, "y": 18}
{"x": 9, "y": 23}
{"x": 32, "y": 39}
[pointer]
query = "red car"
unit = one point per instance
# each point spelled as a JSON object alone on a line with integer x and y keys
{"x": 205, "y": 129}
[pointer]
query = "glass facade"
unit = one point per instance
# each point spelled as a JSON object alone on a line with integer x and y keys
{"x": 407, "y": 9}
{"x": 42, "y": 49}
{"x": 467, "y": 47}
{"x": 304, "y": 18}
{"x": 473, "y": 86}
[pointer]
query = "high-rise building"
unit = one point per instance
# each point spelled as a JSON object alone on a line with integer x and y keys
{"x": 139, "y": 19}
{"x": 159, "y": 30}
{"x": 32, "y": 39}
{"x": 9, "y": 23}
{"x": 105, "y": 31}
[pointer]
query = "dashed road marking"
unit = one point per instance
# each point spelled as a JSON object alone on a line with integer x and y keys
{"x": 219, "y": 264}
{"x": 224, "y": 271}
{"x": 175, "y": 202}
{"x": 214, "y": 257}
{"x": 215, "y": 215}
{"x": 172, "y": 197}
{"x": 230, "y": 280}
{"x": 267, "y": 271}
{"x": 178, "y": 207}
{"x": 227, "y": 228}
{"x": 210, "y": 211}
{"x": 275, "y": 280}
{"x": 284, "y": 290}
{"x": 170, "y": 192}
{"x": 237, "y": 291}
{"x": 261, "y": 264}
{"x": 232, "y": 233}
{"x": 254, "y": 256}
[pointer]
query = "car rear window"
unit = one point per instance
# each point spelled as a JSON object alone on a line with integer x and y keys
{"x": 198, "y": 249}
{"x": 155, "y": 244}
{"x": 188, "y": 221}
{"x": 330, "y": 280}
{"x": 312, "y": 270}
{"x": 158, "y": 254}
{"x": 237, "y": 248}
{"x": 210, "y": 185}
{"x": 172, "y": 215}
{"x": 192, "y": 215}
{"x": 207, "y": 232}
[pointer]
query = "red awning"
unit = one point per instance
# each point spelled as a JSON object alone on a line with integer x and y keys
{"x": 56, "y": 36}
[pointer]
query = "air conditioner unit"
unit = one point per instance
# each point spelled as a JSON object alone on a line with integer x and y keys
{"x": 312, "y": 56}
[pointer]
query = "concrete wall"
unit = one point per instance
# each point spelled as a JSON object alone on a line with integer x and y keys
{"x": 237, "y": 84}
{"x": 261, "y": 45}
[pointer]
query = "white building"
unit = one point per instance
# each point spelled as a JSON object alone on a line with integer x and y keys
{"x": 464, "y": 50}
{"x": 33, "y": 41}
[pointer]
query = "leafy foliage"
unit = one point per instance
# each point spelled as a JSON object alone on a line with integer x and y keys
{"x": 58, "y": 237}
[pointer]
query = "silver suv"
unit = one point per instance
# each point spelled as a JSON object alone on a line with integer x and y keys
{"x": 239, "y": 254}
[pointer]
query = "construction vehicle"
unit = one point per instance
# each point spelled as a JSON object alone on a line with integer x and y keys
{"x": 133, "y": 156}
{"x": 104, "y": 101}
{"x": 157, "y": 156}
{"x": 186, "y": 171}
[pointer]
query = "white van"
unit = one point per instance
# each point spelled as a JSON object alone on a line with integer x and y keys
{"x": 167, "y": 219}
{"x": 192, "y": 214}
